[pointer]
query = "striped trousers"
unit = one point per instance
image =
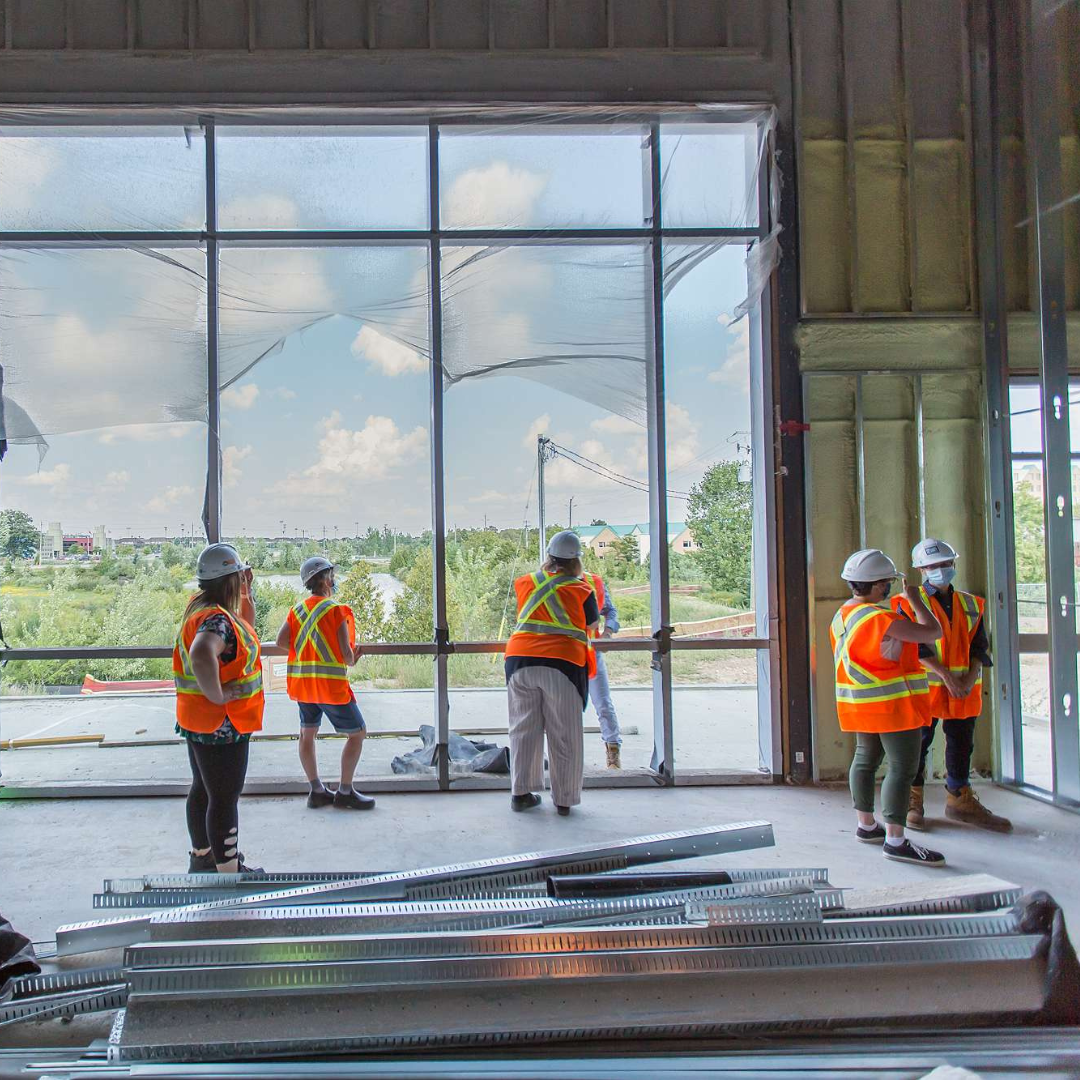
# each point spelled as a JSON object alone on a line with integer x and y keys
{"x": 544, "y": 701}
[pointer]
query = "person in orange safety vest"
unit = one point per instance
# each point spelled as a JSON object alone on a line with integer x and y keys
{"x": 599, "y": 687}
{"x": 883, "y": 697}
{"x": 217, "y": 672}
{"x": 320, "y": 636}
{"x": 549, "y": 661}
{"x": 954, "y": 665}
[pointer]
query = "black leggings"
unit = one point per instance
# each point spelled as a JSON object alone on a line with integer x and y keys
{"x": 959, "y": 744}
{"x": 217, "y": 778}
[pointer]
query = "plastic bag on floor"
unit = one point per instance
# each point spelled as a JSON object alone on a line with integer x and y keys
{"x": 16, "y": 958}
{"x": 466, "y": 756}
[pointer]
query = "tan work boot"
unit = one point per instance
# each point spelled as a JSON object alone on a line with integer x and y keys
{"x": 614, "y": 761}
{"x": 916, "y": 818}
{"x": 965, "y": 806}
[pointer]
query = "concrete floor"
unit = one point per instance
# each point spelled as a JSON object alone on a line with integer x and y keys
{"x": 56, "y": 852}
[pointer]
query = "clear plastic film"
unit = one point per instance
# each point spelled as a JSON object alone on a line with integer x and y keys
{"x": 101, "y": 336}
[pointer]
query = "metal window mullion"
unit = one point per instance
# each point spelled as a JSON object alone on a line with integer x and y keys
{"x": 860, "y": 459}
{"x": 438, "y": 495}
{"x": 1041, "y": 139}
{"x": 213, "y": 393}
{"x": 986, "y": 157}
{"x": 920, "y": 451}
{"x": 663, "y": 733}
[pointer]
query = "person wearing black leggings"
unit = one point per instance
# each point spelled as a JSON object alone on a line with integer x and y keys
{"x": 217, "y": 671}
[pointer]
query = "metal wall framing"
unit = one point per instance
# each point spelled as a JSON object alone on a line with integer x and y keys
{"x": 662, "y": 644}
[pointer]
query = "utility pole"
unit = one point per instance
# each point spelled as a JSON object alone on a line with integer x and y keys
{"x": 541, "y": 456}
{"x": 570, "y": 523}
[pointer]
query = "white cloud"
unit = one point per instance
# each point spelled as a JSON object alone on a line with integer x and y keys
{"x": 734, "y": 370}
{"x": 56, "y": 478}
{"x": 170, "y": 497}
{"x": 540, "y": 426}
{"x": 282, "y": 392}
{"x": 389, "y": 356}
{"x": 489, "y": 496}
{"x": 240, "y": 397}
{"x": 231, "y": 456}
{"x": 117, "y": 480}
{"x": 616, "y": 425}
{"x": 147, "y": 432}
{"x": 495, "y": 194}
{"x": 259, "y": 212}
{"x": 350, "y": 458}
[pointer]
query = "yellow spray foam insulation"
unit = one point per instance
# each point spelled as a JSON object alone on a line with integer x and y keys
{"x": 888, "y": 397}
{"x": 953, "y": 395}
{"x": 834, "y": 520}
{"x": 1070, "y": 219}
{"x": 832, "y": 747}
{"x": 940, "y": 187}
{"x": 830, "y": 397}
{"x": 890, "y": 344}
{"x": 881, "y": 227}
{"x": 1016, "y": 242}
{"x": 892, "y": 493}
{"x": 824, "y": 232}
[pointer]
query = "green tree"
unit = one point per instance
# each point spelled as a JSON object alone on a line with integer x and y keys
{"x": 625, "y": 557}
{"x": 412, "y": 619}
{"x": 597, "y": 521}
{"x": 720, "y": 515}
{"x": 18, "y": 537}
{"x": 360, "y": 592}
{"x": 1029, "y": 531}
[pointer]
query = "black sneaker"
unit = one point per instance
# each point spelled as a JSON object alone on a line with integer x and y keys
{"x": 563, "y": 810}
{"x": 912, "y": 853}
{"x": 876, "y": 835}
{"x": 316, "y": 799}
{"x": 242, "y": 869}
{"x": 524, "y": 802}
{"x": 353, "y": 800}
{"x": 201, "y": 864}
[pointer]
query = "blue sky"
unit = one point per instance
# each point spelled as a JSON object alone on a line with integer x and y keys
{"x": 330, "y": 429}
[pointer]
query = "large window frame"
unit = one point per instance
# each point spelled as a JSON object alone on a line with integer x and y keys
{"x": 661, "y": 645}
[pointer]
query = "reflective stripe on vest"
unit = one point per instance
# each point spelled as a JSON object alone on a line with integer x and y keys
{"x": 545, "y": 592}
{"x": 251, "y": 677}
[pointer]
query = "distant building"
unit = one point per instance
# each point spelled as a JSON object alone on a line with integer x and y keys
{"x": 602, "y": 538}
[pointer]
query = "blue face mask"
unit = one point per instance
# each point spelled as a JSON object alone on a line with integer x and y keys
{"x": 333, "y": 587}
{"x": 941, "y": 576}
{"x": 888, "y": 590}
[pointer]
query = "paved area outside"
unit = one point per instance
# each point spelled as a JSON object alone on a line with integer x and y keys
{"x": 56, "y": 852}
{"x": 715, "y": 729}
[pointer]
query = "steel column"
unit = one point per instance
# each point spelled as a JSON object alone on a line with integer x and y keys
{"x": 860, "y": 459}
{"x": 663, "y": 760}
{"x": 212, "y": 504}
{"x": 438, "y": 500}
{"x": 920, "y": 452}
{"x": 1043, "y": 152}
{"x": 1005, "y": 679}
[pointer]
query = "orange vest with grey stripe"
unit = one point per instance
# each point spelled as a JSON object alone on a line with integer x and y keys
{"x": 952, "y": 651}
{"x": 551, "y": 619}
{"x": 316, "y": 670}
{"x": 196, "y": 712}
{"x": 874, "y": 694}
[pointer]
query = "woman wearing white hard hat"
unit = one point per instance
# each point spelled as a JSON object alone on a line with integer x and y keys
{"x": 883, "y": 698}
{"x": 549, "y": 661}
{"x": 217, "y": 670}
{"x": 955, "y": 664}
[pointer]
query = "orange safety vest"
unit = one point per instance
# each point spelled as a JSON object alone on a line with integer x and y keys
{"x": 194, "y": 711}
{"x": 952, "y": 650}
{"x": 316, "y": 670}
{"x": 597, "y": 582}
{"x": 874, "y": 694}
{"x": 551, "y": 619}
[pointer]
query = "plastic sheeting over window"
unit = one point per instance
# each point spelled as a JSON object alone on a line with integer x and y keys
{"x": 99, "y": 336}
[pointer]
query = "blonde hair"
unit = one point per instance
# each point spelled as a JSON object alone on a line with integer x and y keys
{"x": 218, "y": 592}
{"x": 573, "y": 567}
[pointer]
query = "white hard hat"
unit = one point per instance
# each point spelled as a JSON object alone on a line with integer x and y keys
{"x": 867, "y": 565}
{"x": 565, "y": 545}
{"x": 218, "y": 561}
{"x": 315, "y": 565}
{"x": 929, "y": 552}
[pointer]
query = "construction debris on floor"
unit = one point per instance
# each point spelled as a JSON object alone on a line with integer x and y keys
{"x": 569, "y": 946}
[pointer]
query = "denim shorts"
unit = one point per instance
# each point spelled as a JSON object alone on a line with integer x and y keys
{"x": 347, "y": 719}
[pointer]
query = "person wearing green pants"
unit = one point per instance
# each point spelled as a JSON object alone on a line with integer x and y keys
{"x": 883, "y": 698}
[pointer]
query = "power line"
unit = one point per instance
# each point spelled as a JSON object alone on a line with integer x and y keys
{"x": 610, "y": 474}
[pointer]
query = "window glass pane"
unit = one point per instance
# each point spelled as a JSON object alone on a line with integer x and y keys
{"x": 1029, "y": 535}
{"x": 1036, "y": 731}
{"x": 322, "y": 178}
{"x": 709, "y": 175}
{"x": 325, "y": 437}
{"x": 96, "y": 178}
{"x": 711, "y": 518}
{"x": 1025, "y": 409}
{"x": 543, "y": 176}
